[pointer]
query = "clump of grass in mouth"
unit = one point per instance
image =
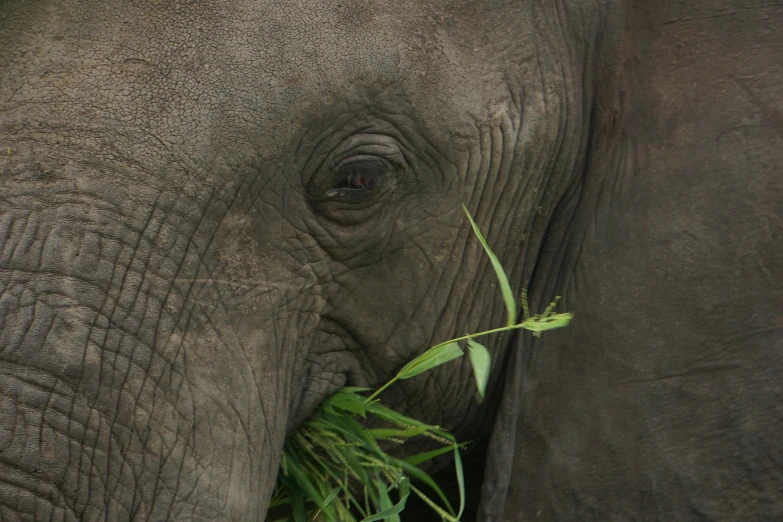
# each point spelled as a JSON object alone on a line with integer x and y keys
{"x": 333, "y": 467}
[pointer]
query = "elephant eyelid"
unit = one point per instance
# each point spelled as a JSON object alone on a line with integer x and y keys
{"x": 359, "y": 179}
{"x": 356, "y": 177}
{"x": 361, "y": 173}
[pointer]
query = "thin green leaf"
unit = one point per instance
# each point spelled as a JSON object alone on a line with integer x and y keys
{"x": 303, "y": 482}
{"x": 354, "y": 389}
{"x": 418, "y": 458}
{"x": 298, "y": 507}
{"x": 392, "y": 511}
{"x": 404, "y": 486}
{"x": 480, "y": 360}
{"x": 541, "y": 324}
{"x": 433, "y": 357}
{"x": 460, "y": 480}
{"x": 348, "y": 402}
{"x": 277, "y": 502}
{"x": 505, "y": 287}
{"x": 387, "y": 506}
{"x": 332, "y": 495}
{"x": 420, "y": 475}
{"x": 392, "y": 416}
{"x": 446, "y": 517}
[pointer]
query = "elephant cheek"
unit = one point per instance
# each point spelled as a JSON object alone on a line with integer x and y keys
{"x": 99, "y": 420}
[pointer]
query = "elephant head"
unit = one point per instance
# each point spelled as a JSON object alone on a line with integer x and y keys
{"x": 214, "y": 214}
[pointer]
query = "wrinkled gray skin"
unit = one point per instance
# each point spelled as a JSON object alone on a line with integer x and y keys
{"x": 189, "y": 262}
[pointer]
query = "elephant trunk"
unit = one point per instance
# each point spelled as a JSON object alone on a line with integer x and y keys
{"x": 139, "y": 376}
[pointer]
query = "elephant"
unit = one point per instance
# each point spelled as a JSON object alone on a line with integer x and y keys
{"x": 214, "y": 214}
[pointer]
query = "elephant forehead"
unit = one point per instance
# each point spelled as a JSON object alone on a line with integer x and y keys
{"x": 285, "y": 61}
{"x": 279, "y": 63}
{"x": 307, "y": 42}
{"x": 246, "y": 71}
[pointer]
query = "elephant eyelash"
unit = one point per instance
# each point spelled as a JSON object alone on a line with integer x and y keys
{"x": 358, "y": 180}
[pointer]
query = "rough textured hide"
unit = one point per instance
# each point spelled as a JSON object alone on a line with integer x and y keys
{"x": 213, "y": 214}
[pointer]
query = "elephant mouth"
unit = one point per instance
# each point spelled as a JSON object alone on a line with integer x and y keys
{"x": 339, "y": 346}
{"x": 350, "y": 460}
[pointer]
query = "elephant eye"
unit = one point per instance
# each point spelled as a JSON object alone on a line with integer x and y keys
{"x": 358, "y": 180}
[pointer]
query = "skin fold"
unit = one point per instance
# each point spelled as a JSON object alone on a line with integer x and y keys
{"x": 214, "y": 214}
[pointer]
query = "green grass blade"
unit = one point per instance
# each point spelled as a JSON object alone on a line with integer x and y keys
{"x": 420, "y": 475}
{"x": 460, "y": 480}
{"x": 298, "y": 508}
{"x": 332, "y": 495}
{"x": 303, "y": 482}
{"x": 418, "y": 458}
{"x": 404, "y": 486}
{"x": 398, "y": 418}
{"x": 548, "y": 323}
{"x": 430, "y": 359}
{"x": 390, "y": 512}
{"x": 446, "y": 517}
{"x": 354, "y": 389}
{"x": 387, "y": 506}
{"x": 279, "y": 502}
{"x": 347, "y": 401}
{"x": 480, "y": 360}
{"x": 505, "y": 287}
